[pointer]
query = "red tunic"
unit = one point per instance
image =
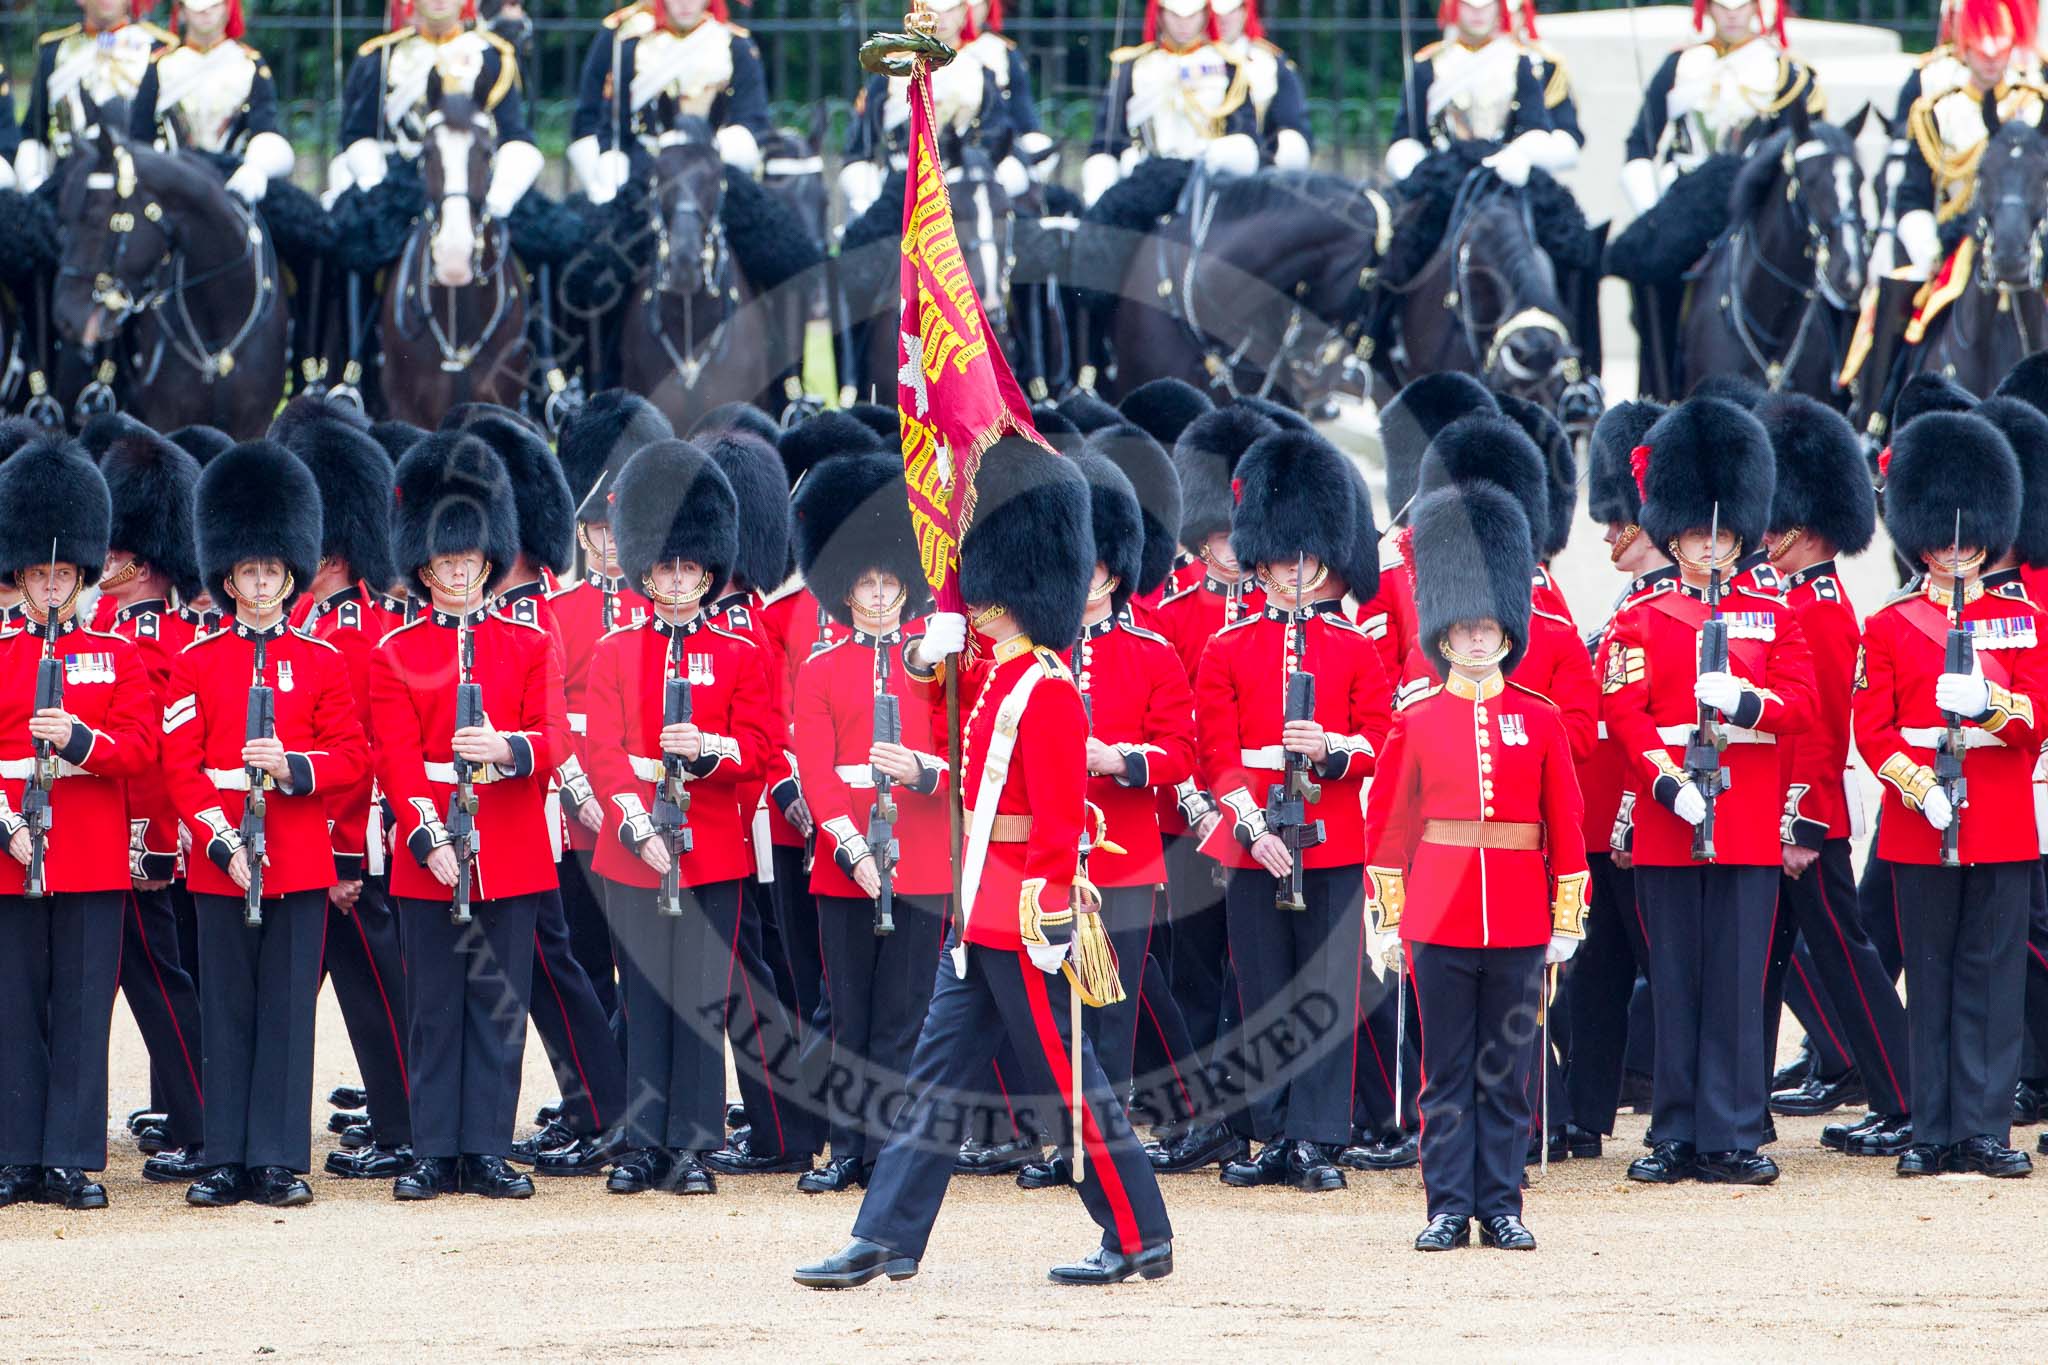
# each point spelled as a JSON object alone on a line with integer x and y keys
{"x": 1604, "y": 775}
{"x": 413, "y": 681}
{"x": 1549, "y": 598}
{"x": 797, "y": 627}
{"x": 1389, "y": 618}
{"x": 205, "y": 723}
{"x": 1904, "y": 651}
{"x": 1240, "y": 705}
{"x": 741, "y": 613}
{"x": 1554, "y": 666}
{"x": 159, "y": 633}
{"x": 113, "y": 740}
{"x": 1188, "y": 570}
{"x": 729, "y": 692}
{"x": 835, "y": 715}
{"x": 1141, "y": 705}
{"x": 353, "y": 623}
{"x": 1816, "y": 762}
{"x": 585, "y": 613}
{"x": 1188, "y": 619}
{"x": 1652, "y": 661}
{"x": 1477, "y": 753}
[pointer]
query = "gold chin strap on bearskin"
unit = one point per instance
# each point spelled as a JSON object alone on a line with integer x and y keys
{"x": 1457, "y": 660}
{"x": 1723, "y": 565}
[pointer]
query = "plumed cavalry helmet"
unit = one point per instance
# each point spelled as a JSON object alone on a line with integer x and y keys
{"x": 1945, "y": 470}
{"x": 53, "y": 504}
{"x": 258, "y": 501}
{"x": 452, "y": 496}
{"x": 852, "y": 514}
{"x": 1473, "y": 562}
{"x": 1031, "y": 546}
{"x": 672, "y": 503}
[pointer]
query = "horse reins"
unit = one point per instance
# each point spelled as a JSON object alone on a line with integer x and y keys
{"x": 456, "y": 356}
{"x": 1757, "y": 343}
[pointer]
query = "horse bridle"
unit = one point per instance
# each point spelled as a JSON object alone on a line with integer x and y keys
{"x": 456, "y": 355}
{"x": 717, "y": 261}
{"x": 1756, "y": 343}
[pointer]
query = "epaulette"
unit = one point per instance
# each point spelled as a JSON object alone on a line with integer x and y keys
{"x": 1130, "y": 54}
{"x": 1176, "y": 595}
{"x": 1390, "y": 555}
{"x": 1530, "y": 691}
{"x": 1342, "y": 622}
{"x": 620, "y": 16}
{"x": 310, "y": 639}
{"x": 1055, "y": 667}
{"x": 1933, "y": 55}
{"x": 396, "y": 631}
{"x": 1241, "y": 623}
{"x": 508, "y": 67}
{"x": 1549, "y": 616}
{"x": 1827, "y": 587}
{"x": 740, "y": 616}
{"x": 524, "y": 612}
{"x": 515, "y": 621}
{"x": 58, "y": 35}
{"x": 732, "y": 635}
{"x": 1428, "y": 52}
{"x": 384, "y": 40}
{"x": 1143, "y": 634}
{"x": 2011, "y": 590}
{"x": 162, "y": 35}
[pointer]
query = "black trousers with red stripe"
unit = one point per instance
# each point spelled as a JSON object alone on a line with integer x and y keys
{"x": 466, "y": 990}
{"x": 1127, "y": 919}
{"x": 1197, "y": 953}
{"x": 1599, "y": 983}
{"x": 262, "y": 986}
{"x": 1816, "y": 1013}
{"x": 879, "y": 989}
{"x": 590, "y": 937}
{"x": 675, "y": 972}
{"x": 369, "y": 984}
{"x": 161, "y": 995}
{"x": 1480, "y": 1035}
{"x": 766, "y": 1038}
{"x": 1003, "y": 996}
{"x": 573, "y": 1026}
{"x": 59, "y": 962}
{"x": 1174, "y": 1088}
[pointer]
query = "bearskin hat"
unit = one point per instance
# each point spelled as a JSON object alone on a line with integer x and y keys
{"x": 755, "y": 471}
{"x": 735, "y": 417}
{"x": 1150, "y": 470}
{"x": 1942, "y": 465}
{"x": 1497, "y": 451}
{"x": 880, "y": 420}
{"x": 105, "y": 428}
{"x": 851, "y": 515}
{"x": 258, "y": 501}
{"x": 310, "y": 408}
{"x": 452, "y": 495}
{"x": 150, "y": 482}
{"x": 396, "y": 437}
{"x": 1274, "y": 411}
{"x": 1031, "y": 546}
{"x": 1560, "y": 469}
{"x": 1118, "y": 523}
{"x": 1704, "y": 453}
{"x": 1473, "y": 560}
{"x": 547, "y": 514}
{"x": 1361, "y": 569}
{"x": 818, "y": 438}
{"x": 1729, "y": 388}
{"x": 16, "y": 432}
{"x": 1087, "y": 412}
{"x": 1163, "y": 408}
{"x": 1411, "y": 421}
{"x": 1058, "y": 430}
{"x": 1295, "y": 496}
{"x": 53, "y": 502}
{"x": 2027, "y": 381}
{"x": 202, "y": 442}
{"x": 354, "y": 478}
{"x": 464, "y": 416}
{"x": 1823, "y": 480}
{"x": 1205, "y": 457}
{"x": 2025, "y": 429}
{"x": 1925, "y": 393}
{"x": 1611, "y": 492}
{"x": 598, "y": 439}
{"x": 674, "y": 503}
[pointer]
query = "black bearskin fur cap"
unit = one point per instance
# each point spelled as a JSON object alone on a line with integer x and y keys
{"x": 452, "y": 495}
{"x": 354, "y": 478}
{"x": 2026, "y": 430}
{"x": 736, "y": 417}
{"x": 1163, "y": 408}
{"x": 396, "y": 437}
{"x": 1473, "y": 560}
{"x": 203, "y": 442}
{"x": 1295, "y": 496}
{"x": 547, "y": 514}
{"x": 1150, "y": 469}
{"x": 150, "y": 481}
{"x": 1087, "y": 412}
{"x": 1118, "y": 524}
{"x": 52, "y": 493}
{"x": 1497, "y": 451}
{"x": 1361, "y": 569}
{"x": 1031, "y": 546}
{"x": 1413, "y": 418}
{"x": 599, "y": 439}
{"x": 674, "y": 503}
{"x": 310, "y": 410}
{"x": 880, "y": 420}
{"x": 1705, "y": 452}
{"x": 103, "y": 430}
{"x": 1205, "y": 457}
{"x": 16, "y": 432}
{"x": 465, "y": 416}
{"x": 1278, "y": 413}
{"x": 1948, "y": 462}
{"x": 1743, "y": 392}
{"x": 1058, "y": 430}
{"x": 2027, "y": 381}
{"x": 1611, "y": 493}
{"x": 1560, "y": 469}
{"x": 762, "y": 488}
{"x": 1925, "y": 393}
{"x": 851, "y": 515}
{"x": 1823, "y": 480}
{"x": 819, "y": 438}
{"x": 257, "y": 501}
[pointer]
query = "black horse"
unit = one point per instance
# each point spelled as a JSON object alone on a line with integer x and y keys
{"x": 167, "y": 292}
{"x": 1772, "y": 299}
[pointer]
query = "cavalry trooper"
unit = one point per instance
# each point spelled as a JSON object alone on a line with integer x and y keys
{"x": 1276, "y": 90}
{"x": 1299, "y": 525}
{"x": 859, "y": 554}
{"x": 469, "y": 955}
{"x": 151, "y": 565}
{"x": 1026, "y": 934}
{"x": 1476, "y": 812}
{"x": 79, "y": 69}
{"x": 1177, "y": 94}
{"x": 213, "y": 93}
{"x": 1707, "y": 892}
{"x": 398, "y": 79}
{"x": 675, "y": 520}
{"x": 1952, "y": 504}
{"x": 986, "y": 43}
{"x": 1822, "y": 508}
{"x": 10, "y": 130}
{"x": 1478, "y": 85}
{"x": 658, "y": 62}
{"x": 61, "y": 946}
{"x": 340, "y": 607}
{"x": 1558, "y": 99}
{"x": 255, "y": 808}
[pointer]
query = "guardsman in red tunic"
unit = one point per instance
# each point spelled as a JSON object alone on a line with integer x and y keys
{"x": 1822, "y": 508}
{"x": 674, "y": 522}
{"x": 857, "y": 551}
{"x": 363, "y": 959}
{"x": 150, "y": 564}
{"x": 60, "y": 948}
{"x": 1708, "y": 919}
{"x": 255, "y": 807}
{"x": 1962, "y": 924}
{"x": 1475, "y": 862}
{"x": 1021, "y": 944}
{"x": 1300, "y": 524}
{"x": 454, "y": 534}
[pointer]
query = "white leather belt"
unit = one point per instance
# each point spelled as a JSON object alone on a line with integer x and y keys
{"x": 858, "y": 775}
{"x": 1273, "y": 758}
{"x": 1929, "y": 736}
{"x": 1603, "y": 729}
{"x": 579, "y": 723}
{"x": 650, "y": 769}
{"x": 229, "y": 779}
{"x": 481, "y": 775}
{"x": 24, "y": 768}
{"x": 1735, "y": 734}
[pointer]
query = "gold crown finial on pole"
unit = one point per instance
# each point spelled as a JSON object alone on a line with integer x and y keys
{"x": 899, "y": 54}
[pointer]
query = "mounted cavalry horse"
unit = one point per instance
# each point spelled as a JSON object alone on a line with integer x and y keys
{"x": 169, "y": 291}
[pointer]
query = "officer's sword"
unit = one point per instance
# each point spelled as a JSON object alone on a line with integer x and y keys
{"x": 1543, "y": 1019}
{"x": 1400, "y": 1044}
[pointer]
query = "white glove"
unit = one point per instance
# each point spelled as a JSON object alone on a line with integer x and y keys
{"x": 248, "y": 184}
{"x": 1290, "y": 150}
{"x": 1639, "y": 184}
{"x": 1553, "y": 151}
{"x": 6, "y": 175}
{"x": 738, "y": 149}
{"x": 1920, "y": 241}
{"x": 1035, "y": 151}
{"x": 365, "y": 158}
{"x": 1011, "y": 175}
{"x": 1048, "y": 957}
{"x": 514, "y": 168}
{"x": 1098, "y": 173}
{"x": 1511, "y": 164}
{"x": 339, "y": 179}
{"x": 1402, "y": 158}
{"x": 1689, "y": 805}
{"x": 1722, "y": 691}
{"x": 1560, "y": 950}
{"x": 945, "y": 632}
{"x": 1936, "y": 808}
{"x": 1964, "y": 694}
{"x": 586, "y": 159}
{"x": 1386, "y": 949}
{"x": 860, "y": 184}
{"x": 269, "y": 155}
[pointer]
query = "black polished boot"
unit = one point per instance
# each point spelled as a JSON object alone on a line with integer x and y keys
{"x": 855, "y": 1264}
{"x": 1667, "y": 1164}
{"x": 1049, "y": 1174}
{"x": 1734, "y": 1168}
{"x": 430, "y": 1177}
{"x": 1819, "y": 1095}
{"x": 349, "y": 1097}
{"x": 176, "y": 1166}
{"x": 840, "y": 1173}
{"x": 1103, "y": 1266}
{"x": 1001, "y": 1158}
{"x": 490, "y": 1177}
{"x": 1393, "y": 1150}
{"x": 1892, "y": 1135}
{"x": 1922, "y": 1158}
{"x": 220, "y": 1188}
{"x": 278, "y": 1187}
{"x": 378, "y": 1161}
{"x": 738, "y": 1157}
{"x": 1269, "y": 1167}
{"x": 1199, "y": 1147}
{"x": 639, "y": 1171}
{"x": 689, "y": 1175}
{"x": 552, "y": 1137}
{"x": 1445, "y": 1232}
{"x": 583, "y": 1156}
{"x": 1983, "y": 1155}
{"x": 1505, "y": 1231}
{"x": 1309, "y": 1168}
{"x": 18, "y": 1184}
{"x": 70, "y": 1188}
